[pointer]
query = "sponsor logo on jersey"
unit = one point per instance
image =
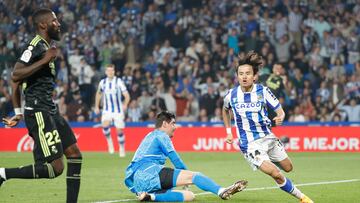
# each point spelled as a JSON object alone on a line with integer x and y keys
{"x": 251, "y": 106}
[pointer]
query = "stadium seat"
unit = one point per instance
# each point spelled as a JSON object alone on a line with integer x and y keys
{"x": 349, "y": 68}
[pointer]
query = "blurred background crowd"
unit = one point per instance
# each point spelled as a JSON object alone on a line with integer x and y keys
{"x": 179, "y": 54}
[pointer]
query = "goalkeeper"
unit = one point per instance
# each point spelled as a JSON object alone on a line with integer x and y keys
{"x": 147, "y": 177}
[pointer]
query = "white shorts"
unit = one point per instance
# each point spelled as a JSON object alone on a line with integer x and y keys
{"x": 267, "y": 148}
{"x": 117, "y": 118}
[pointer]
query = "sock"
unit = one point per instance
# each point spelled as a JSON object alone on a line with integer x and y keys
{"x": 121, "y": 139}
{"x": 2, "y": 173}
{"x": 107, "y": 132}
{"x": 205, "y": 183}
{"x": 169, "y": 196}
{"x": 288, "y": 187}
{"x": 31, "y": 171}
{"x": 73, "y": 179}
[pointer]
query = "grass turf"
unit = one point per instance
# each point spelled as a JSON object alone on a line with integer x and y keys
{"x": 103, "y": 175}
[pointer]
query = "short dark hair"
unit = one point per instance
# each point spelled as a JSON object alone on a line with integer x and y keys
{"x": 38, "y": 16}
{"x": 251, "y": 58}
{"x": 163, "y": 116}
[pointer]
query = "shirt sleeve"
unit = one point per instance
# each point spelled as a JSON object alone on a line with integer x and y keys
{"x": 168, "y": 149}
{"x": 166, "y": 144}
{"x": 177, "y": 161}
{"x": 271, "y": 100}
{"x": 122, "y": 85}
{"x": 31, "y": 53}
{"x": 101, "y": 85}
{"x": 227, "y": 99}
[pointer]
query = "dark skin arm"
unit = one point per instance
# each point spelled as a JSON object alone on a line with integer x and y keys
{"x": 22, "y": 71}
{"x": 15, "y": 86}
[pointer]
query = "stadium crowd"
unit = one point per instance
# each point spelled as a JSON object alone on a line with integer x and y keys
{"x": 179, "y": 54}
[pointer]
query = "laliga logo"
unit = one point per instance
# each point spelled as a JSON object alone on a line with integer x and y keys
{"x": 26, "y": 143}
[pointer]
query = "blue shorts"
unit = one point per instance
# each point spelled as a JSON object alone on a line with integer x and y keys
{"x": 146, "y": 178}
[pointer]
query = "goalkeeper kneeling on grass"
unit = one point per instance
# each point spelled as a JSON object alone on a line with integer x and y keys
{"x": 147, "y": 177}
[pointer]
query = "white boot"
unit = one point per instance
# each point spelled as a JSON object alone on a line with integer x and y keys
{"x": 122, "y": 150}
{"x": 110, "y": 145}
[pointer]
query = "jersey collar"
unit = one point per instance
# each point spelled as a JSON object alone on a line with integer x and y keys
{"x": 44, "y": 40}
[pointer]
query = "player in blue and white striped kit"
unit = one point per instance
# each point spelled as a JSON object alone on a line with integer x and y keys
{"x": 151, "y": 181}
{"x": 111, "y": 89}
{"x": 248, "y": 102}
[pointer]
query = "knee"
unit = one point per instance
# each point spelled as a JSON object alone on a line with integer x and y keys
{"x": 188, "y": 196}
{"x": 188, "y": 176}
{"x": 288, "y": 168}
{"x": 58, "y": 167}
{"x": 73, "y": 152}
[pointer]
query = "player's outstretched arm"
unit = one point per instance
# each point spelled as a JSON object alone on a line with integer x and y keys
{"x": 22, "y": 71}
{"x": 97, "y": 101}
{"x": 280, "y": 115}
{"x": 126, "y": 100}
{"x": 11, "y": 122}
{"x": 177, "y": 161}
{"x": 227, "y": 123}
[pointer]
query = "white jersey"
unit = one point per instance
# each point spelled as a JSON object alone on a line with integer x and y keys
{"x": 250, "y": 112}
{"x": 112, "y": 91}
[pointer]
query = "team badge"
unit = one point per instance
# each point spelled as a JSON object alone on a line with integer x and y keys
{"x": 54, "y": 150}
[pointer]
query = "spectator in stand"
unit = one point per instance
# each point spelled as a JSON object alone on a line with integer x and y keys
{"x": 295, "y": 21}
{"x": 128, "y": 31}
{"x": 282, "y": 47}
{"x": 297, "y": 116}
{"x": 84, "y": 74}
{"x": 353, "y": 47}
{"x": 134, "y": 112}
{"x": 320, "y": 25}
{"x": 352, "y": 109}
{"x": 323, "y": 92}
{"x": 337, "y": 69}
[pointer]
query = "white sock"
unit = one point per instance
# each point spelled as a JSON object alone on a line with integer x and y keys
{"x": 152, "y": 197}
{"x": 297, "y": 193}
{"x": 221, "y": 190}
{"x": 2, "y": 173}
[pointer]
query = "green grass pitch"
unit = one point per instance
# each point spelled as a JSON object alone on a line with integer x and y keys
{"x": 103, "y": 174}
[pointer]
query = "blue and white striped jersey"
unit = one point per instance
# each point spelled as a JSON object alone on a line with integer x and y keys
{"x": 112, "y": 91}
{"x": 250, "y": 112}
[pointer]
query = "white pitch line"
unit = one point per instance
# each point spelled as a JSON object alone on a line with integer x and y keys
{"x": 297, "y": 185}
{"x": 255, "y": 189}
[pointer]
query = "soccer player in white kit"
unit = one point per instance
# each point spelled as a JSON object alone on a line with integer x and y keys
{"x": 248, "y": 102}
{"x": 111, "y": 89}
